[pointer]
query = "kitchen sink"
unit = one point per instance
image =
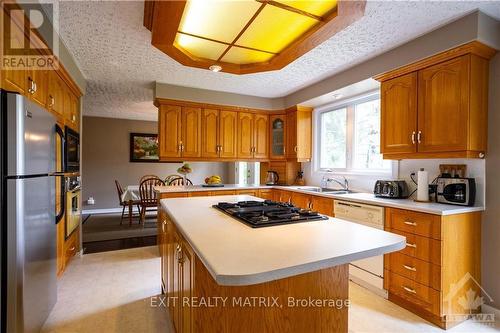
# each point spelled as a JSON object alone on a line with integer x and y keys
{"x": 328, "y": 190}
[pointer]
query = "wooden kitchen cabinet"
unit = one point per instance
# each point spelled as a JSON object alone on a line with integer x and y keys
{"x": 55, "y": 94}
{"x": 38, "y": 79}
{"x": 322, "y": 205}
{"x": 261, "y": 136}
{"x": 301, "y": 200}
{"x": 277, "y": 137}
{"x": 399, "y": 115}
{"x": 228, "y": 134}
{"x": 443, "y": 106}
{"x": 437, "y": 107}
{"x": 169, "y": 131}
{"x": 190, "y": 132}
{"x": 299, "y": 133}
{"x": 210, "y": 133}
{"x": 219, "y": 133}
{"x": 442, "y": 252}
{"x": 245, "y": 137}
{"x": 15, "y": 79}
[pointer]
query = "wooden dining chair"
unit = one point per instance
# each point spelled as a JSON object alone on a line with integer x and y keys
{"x": 148, "y": 196}
{"x": 169, "y": 178}
{"x": 147, "y": 177}
{"x": 125, "y": 204}
{"x": 180, "y": 181}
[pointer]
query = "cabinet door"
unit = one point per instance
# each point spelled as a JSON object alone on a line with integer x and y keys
{"x": 40, "y": 81}
{"x": 261, "y": 135}
{"x": 443, "y": 106}
{"x": 228, "y": 134}
{"x": 187, "y": 272}
{"x": 177, "y": 283}
{"x": 245, "y": 135}
{"x": 322, "y": 205}
{"x": 15, "y": 79}
{"x": 210, "y": 133}
{"x": 399, "y": 114}
{"x": 169, "y": 136}
{"x": 291, "y": 135}
{"x": 191, "y": 132}
{"x": 277, "y": 137}
{"x": 301, "y": 200}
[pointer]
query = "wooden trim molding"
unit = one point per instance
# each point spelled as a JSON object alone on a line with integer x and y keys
{"x": 473, "y": 47}
{"x": 162, "y": 18}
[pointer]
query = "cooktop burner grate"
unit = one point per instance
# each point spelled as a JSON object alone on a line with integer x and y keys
{"x": 267, "y": 213}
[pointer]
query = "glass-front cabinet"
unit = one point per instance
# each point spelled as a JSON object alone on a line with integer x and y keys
{"x": 277, "y": 137}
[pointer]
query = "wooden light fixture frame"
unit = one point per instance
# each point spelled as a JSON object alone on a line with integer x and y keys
{"x": 162, "y": 18}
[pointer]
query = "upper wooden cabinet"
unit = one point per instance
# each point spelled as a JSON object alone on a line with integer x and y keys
{"x": 299, "y": 133}
{"x": 277, "y": 137}
{"x": 169, "y": 131}
{"x": 205, "y": 132}
{"x": 228, "y": 134}
{"x": 219, "y": 133}
{"x": 438, "y": 107}
{"x": 253, "y": 130}
{"x": 443, "y": 106}
{"x": 191, "y": 132}
{"x": 399, "y": 116}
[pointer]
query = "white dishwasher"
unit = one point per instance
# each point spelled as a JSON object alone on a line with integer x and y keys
{"x": 367, "y": 272}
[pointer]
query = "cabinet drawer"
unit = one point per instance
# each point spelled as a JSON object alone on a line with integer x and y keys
{"x": 173, "y": 195}
{"x": 420, "y": 247}
{"x": 199, "y": 194}
{"x": 247, "y": 192}
{"x": 224, "y": 192}
{"x": 421, "y": 224}
{"x": 415, "y": 269}
{"x": 414, "y": 292}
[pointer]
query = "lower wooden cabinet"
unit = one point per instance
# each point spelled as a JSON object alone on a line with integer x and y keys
{"x": 322, "y": 205}
{"x": 438, "y": 267}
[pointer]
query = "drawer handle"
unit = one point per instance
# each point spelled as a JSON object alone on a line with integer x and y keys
{"x": 410, "y": 223}
{"x": 410, "y": 290}
{"x": 411, "y": 245}
{"x": 413, "y": 269}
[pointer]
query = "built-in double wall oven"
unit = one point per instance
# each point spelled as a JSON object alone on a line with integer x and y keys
{"x": 71, "y": 150}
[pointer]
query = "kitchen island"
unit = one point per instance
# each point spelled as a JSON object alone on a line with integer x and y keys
{"x": 220, "y": 275}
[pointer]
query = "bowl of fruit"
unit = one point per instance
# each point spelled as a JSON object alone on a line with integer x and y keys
{"x": 213, "y": 181}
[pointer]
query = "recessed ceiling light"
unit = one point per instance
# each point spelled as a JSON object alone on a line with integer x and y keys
{"x": 215, "y": 68}
{"x": 337, "y": 96}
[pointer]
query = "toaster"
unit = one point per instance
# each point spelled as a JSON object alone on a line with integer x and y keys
{"x": 456, "y": 191}
{"x": 396, "y": 189}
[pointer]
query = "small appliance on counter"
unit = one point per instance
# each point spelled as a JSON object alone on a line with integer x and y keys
{"x": 272, "y": 178}
{"x": 456, "y": 191}
{"x": 394, "y": 189}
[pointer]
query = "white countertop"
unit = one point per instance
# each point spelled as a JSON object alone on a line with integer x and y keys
{"x": 367, "y": 198}
{"x": 236, "y": 254}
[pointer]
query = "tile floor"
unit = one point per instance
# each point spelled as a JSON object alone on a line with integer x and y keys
{"x": 110, "y": 292}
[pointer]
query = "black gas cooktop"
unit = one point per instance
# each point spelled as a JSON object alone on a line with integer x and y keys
{"x": 267, "y": 213}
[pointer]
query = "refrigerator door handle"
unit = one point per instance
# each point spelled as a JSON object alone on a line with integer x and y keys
{"x": 60, "y": 133}
{"x": 62, "y": 209}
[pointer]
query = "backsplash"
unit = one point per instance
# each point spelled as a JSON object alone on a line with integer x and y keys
{"x": 364, "y": 183}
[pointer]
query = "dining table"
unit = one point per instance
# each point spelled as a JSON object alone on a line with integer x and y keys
{"x": 130, "y": 196}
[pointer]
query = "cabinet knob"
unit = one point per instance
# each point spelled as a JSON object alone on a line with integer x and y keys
{"x": 295, "y": 149}
{"x": 410, "y": 268}
{"x": 410, "y": 223}
{"x": 413, "y": 137}
{"x": 52, "y": 101}
{"x": 411, "y": 245}
{"x": 419, "y": 137}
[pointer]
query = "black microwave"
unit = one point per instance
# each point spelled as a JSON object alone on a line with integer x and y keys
{"x": 71, "y": 150}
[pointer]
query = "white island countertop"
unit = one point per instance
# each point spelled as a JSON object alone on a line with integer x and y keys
{"x": 236, "y": 254}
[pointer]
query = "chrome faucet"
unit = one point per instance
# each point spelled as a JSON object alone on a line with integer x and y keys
{"x": 325, "y": 180}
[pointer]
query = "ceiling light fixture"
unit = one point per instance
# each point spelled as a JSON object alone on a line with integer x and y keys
{"x": 337, "y": 96}
{"x": 215, "y": 68}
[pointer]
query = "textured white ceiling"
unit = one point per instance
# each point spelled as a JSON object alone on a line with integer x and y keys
{"x": 115, "y": 54}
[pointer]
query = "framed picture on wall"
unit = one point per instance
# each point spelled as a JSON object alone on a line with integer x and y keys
{"x": 144, "y": 147}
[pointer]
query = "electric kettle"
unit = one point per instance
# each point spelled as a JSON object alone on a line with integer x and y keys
{"x": 272, "y": 178}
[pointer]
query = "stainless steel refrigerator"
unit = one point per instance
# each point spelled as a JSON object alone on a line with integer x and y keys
{"x": 28, "y": 217}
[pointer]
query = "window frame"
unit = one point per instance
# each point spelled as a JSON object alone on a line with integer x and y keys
{"x": 349, "y": 105}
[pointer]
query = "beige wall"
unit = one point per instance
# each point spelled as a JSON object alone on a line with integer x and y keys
{"x": 105, "y": 157}
{"x": 491, "y": 220}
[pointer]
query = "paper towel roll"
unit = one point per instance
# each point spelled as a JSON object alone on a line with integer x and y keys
{"x": 422, "y": 185}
